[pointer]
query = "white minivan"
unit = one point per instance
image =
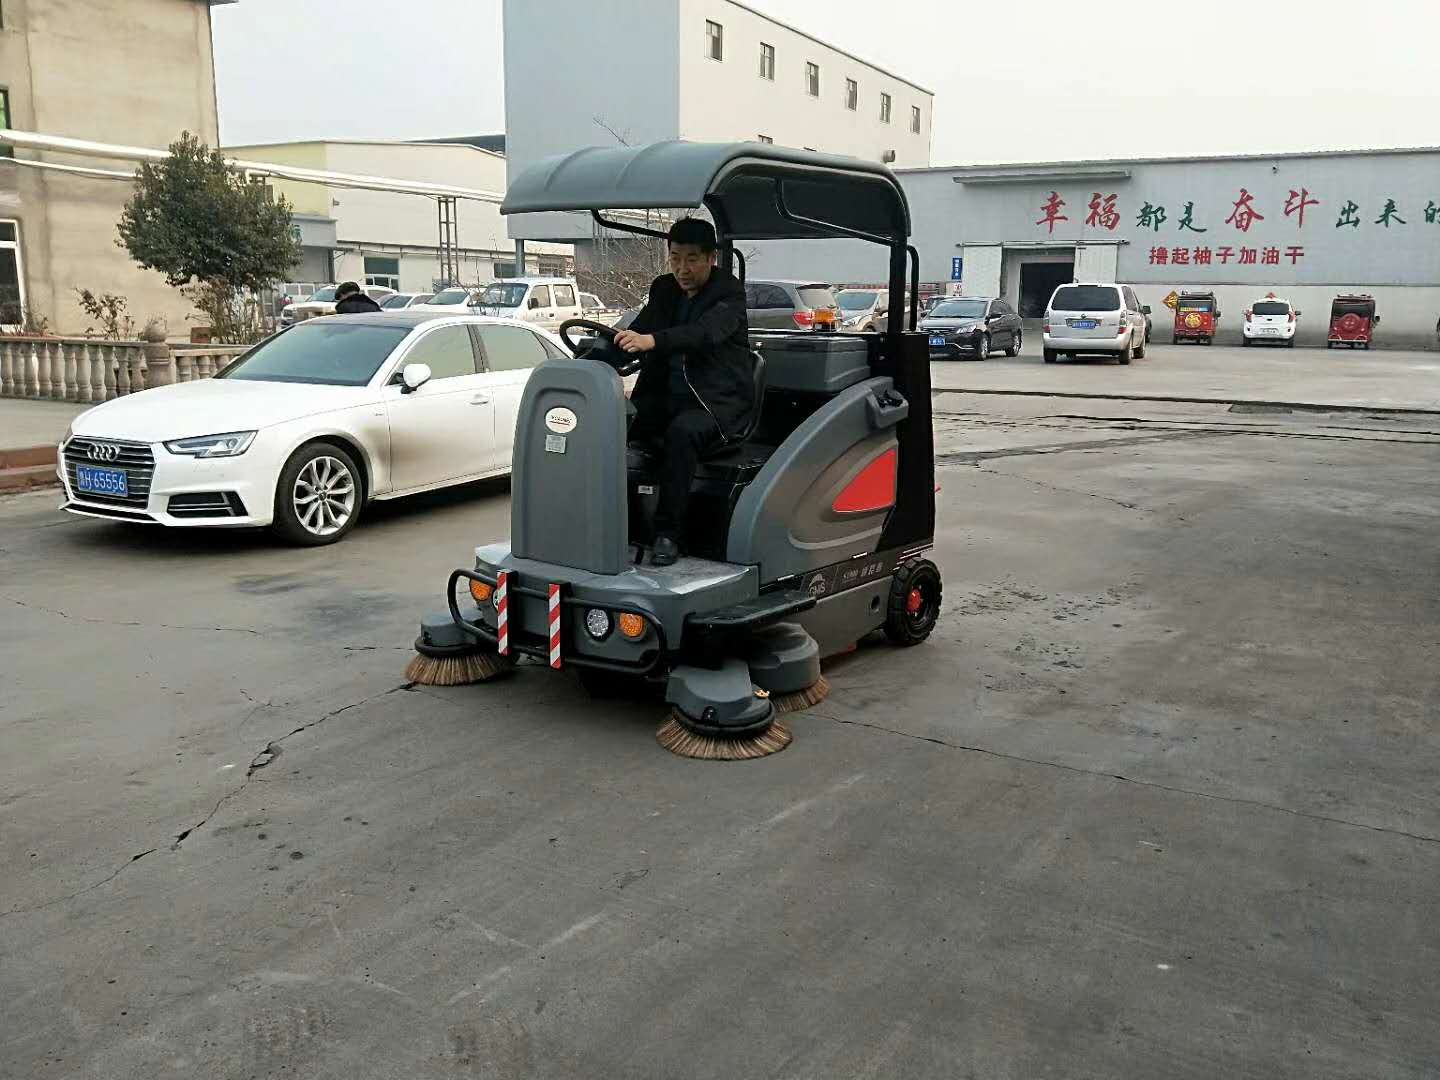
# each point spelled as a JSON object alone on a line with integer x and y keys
{"x": 544, "y": 301}
{"x": 1094, "y": 317}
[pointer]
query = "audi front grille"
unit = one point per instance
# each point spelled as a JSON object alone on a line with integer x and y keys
{"x": 137, "y": 459}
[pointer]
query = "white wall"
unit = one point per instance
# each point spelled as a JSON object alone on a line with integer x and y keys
{"x": 378, "y": 217}
{"x": 727, "y": 100}
{"x": 404, "y": 226}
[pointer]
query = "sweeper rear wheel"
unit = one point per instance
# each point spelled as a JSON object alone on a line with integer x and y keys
{"x": 914, "y": 602}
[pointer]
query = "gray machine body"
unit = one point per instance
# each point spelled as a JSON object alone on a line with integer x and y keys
{"x": 669, "y": 594}
{"x": 569, "y": 515}
{"x": 813, "y": 363}
{"x": 785, "y": 521}
{"x": 783, "y": 658}
{"x": 569, "y": 469}
{"x": 720, "y": 698}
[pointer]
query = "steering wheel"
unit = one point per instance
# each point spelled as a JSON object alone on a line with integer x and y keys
{"x": 623, "y": 363}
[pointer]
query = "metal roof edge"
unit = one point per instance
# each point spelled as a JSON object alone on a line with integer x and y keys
{"x": 1039, "y": 167}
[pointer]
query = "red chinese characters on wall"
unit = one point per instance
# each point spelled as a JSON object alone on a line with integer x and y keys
{"x": 1244, "y": 214}
{"x": 1296, "y": 203}
{"x": 1051, "y": 211}
{"x": 1103, "y": 214}
{"x": 1204, "y": 256}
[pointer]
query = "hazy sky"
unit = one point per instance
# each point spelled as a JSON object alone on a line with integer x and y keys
{"x": 1023, "y": 80}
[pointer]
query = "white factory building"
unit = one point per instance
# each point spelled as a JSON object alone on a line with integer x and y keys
{"x": 645, "y": 71}
{"x": 392, "y": 239}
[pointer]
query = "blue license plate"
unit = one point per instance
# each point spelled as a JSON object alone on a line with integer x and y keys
{"x": 1082, "y": 324}
{"x": 937, "y": 342}
{"x": 101, "y": 481}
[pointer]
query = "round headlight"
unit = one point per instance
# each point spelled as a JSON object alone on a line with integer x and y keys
{"x": 597, "y": 623}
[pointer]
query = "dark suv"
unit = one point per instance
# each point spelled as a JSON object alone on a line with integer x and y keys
{"x": 971, "y": 326}
{"x": 788, "y": 305}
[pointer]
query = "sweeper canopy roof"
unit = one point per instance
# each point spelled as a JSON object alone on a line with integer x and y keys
{"x": 754, "y": 191}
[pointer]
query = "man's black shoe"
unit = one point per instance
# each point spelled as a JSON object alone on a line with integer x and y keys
{"x": 665, "y": 552}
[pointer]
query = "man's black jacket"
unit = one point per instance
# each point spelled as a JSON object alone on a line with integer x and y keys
{"x": 715, "y": 344}
{"x": 356, "y": 304}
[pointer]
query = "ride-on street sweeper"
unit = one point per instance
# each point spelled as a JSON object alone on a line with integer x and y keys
{"x": 802, "y": 537}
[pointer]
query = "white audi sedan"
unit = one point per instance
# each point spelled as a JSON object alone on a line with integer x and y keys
{"x": 302, "y": 430}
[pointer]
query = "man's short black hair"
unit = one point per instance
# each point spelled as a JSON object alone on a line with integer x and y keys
{"x": 697, "y": 231}
{"x": 345, "y": 289}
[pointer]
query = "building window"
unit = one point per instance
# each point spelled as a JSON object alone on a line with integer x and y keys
{"x": 552, "y": 266}
{"x": 852, "y": 94}
{"x": 383, "y": 272}
{"x": 715, "y": 40}
{"x": 884, "y": 108}
{"x": 812, "y": 79}
{"x": 12, "y": 280}
{"x": 765, "y": 139}
{"x": 767, "y": 61}
{"x": 7, "y": 150}
{"x": 915, "y": 119}
{"x": 504, "y": 270}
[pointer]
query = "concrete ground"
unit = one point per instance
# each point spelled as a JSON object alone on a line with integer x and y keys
{"x": 35, "y": 423}
{"x": 1156, "y": 800}
{"x": 1383, "y": 379}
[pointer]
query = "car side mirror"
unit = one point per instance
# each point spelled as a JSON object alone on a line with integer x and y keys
{"x": 1374, "y": 318}
{"x": 533, "y": 303}
{"x": 413, "y": 377}
{"x": 1145, "y": 309}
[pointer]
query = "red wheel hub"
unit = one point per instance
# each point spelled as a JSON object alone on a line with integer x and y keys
{"x": 914, "y": 602}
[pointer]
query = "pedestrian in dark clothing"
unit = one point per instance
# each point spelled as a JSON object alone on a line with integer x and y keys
{"x": 697, "y": 383}
{"x": 350, "y": 300}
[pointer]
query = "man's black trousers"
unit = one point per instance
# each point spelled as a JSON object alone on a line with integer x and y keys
{"x": 680, "y": 439}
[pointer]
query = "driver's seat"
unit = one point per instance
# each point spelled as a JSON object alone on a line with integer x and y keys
{"x": 640, "y": 453}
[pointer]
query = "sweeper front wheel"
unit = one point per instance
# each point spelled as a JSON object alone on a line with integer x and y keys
{"x": 914, "y": 602}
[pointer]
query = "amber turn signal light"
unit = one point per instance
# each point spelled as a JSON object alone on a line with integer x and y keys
{"x": 631, "y": 626}
{"x": 480, "y": 591}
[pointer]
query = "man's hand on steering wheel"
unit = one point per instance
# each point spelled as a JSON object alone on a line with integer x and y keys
{"x": 632, "y": 342}
{"x": 623, "y": 364}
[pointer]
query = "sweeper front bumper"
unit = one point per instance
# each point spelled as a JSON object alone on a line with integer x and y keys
{"x": 640, "y": 622}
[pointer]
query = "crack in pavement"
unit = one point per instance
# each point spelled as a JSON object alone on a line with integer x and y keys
{"x": 970, "y": 457}
{"x": 1079, "y": 770}
{"x": 80, "y": 892}
{"x": 270, "y": 752}
{"x": 1066, "y": 490}
{"x": 117, "y": 622}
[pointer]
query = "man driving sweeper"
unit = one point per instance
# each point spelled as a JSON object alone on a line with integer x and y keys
{"x": 696, "y": 388}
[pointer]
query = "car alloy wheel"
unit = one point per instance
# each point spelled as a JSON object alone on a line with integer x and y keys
{"x": 982, "y": 349}
{"x": 324, "y": 496}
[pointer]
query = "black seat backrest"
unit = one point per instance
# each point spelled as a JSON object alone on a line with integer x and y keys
{"x": 759, "y": 386}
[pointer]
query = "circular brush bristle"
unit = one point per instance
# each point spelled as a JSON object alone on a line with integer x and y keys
{"x": 802, "y": 699}
{"x": 678, "y": 739}
{"x": 457, "y": 670}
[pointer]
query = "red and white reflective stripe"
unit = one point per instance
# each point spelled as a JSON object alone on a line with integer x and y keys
{"x": 554, "y": 626}
{"x": 502, "y": 613}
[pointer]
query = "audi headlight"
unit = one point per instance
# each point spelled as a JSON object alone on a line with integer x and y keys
{"x": 230, "y": 444}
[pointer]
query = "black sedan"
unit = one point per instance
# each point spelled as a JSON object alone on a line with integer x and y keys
{"x": 971, "y": 326}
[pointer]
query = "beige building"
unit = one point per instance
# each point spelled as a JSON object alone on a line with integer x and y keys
{"x": 135, "y": 72}
{"x": 393, "y": 239}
